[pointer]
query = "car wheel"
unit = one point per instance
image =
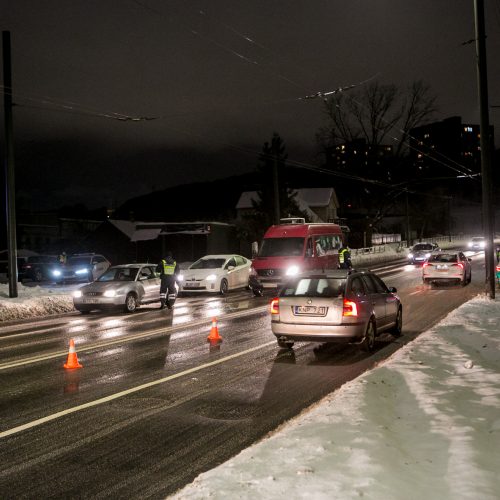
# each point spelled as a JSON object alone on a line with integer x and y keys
{"x": 223, "y": 286}
{"x": 257, "y": 292}
{"x": 397, "y": 329}
{"x": 130, "y": 303}
{"x": 368, "y": 341}
{"x": 38, "y": 275}
{"x": 285, "y": 344}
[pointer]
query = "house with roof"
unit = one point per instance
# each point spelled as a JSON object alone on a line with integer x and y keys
{"x": 320, "y": 204}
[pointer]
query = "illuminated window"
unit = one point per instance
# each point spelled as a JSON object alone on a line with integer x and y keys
{"x": 468, "y": 129}
{"x": 426, "y": 136}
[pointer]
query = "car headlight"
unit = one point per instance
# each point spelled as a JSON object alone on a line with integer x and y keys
{"x": 211, "y": 277}
{"x": 110, "y": 293}
{"x": 56, "y": 272}
{"x": 410, "y": 256}
{"x": 77, "y": 294}
{"x": 482, "y": 244}
{"x": 180, "y": 277}
{"x": 292, "y": 271}
{"x": 469, "y": 244}
{"x": 427, "y": 255}
{"x": 82, "y": 271}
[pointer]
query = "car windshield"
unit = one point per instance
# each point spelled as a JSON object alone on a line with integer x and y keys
{"x": 119, "y": 274}
{"x": 314, "y": 287}
{"x": 207, "y": 264}
{"x": 479, "y": 239}
{"x": 79, "y": 261}
{"x": 422, "y": 246}
{"x": 282, "y": 247}
{"x": 444, "y": 257}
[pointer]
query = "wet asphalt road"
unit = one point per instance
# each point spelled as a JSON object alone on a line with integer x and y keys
{"x": 155, "y": 404}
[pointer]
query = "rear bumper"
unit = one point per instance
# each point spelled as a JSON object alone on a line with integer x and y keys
{"x": 319, "y": 333}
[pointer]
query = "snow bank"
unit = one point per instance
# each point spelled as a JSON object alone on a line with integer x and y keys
{"x": 34, "y": 302}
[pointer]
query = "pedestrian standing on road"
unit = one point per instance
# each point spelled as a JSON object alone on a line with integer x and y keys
{"x": 63, "y": 258}
{"x": 345, "y": 257}
{"x": 169, "y": 270}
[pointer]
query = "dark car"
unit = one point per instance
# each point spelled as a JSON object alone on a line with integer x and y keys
{"x": 39, "y": 267}
{"x": 420, "y": 252}
{"x": 336, "y": 306}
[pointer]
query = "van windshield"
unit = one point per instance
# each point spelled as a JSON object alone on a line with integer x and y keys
{"x": 282, "y": 247}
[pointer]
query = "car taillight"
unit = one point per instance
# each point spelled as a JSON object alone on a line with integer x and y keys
{"x": 425, "y": 264}
{"x": 275, "y": 306}
{"x": 498, "y": 269}
{"x": 350, "y": 308}
{"x": 460, "y": 265}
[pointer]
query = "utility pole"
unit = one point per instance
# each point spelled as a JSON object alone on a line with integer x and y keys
{"x": 10, "y": 186}
{"x": 485, "y": 143}
{"x": 276, "y": 190}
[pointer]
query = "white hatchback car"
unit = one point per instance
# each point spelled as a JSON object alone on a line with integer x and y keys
{"x": 216, "y": 273}
{"x": 452, "y": 267}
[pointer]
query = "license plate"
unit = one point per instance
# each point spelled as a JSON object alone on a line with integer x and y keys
{"x": 90, "y": 301}
{"x": 192, "y": 283}
{"x": 310, "y": 310}
{"x": 442, "y": 268}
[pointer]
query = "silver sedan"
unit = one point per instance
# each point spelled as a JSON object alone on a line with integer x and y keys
{"x": 126, "y": 286}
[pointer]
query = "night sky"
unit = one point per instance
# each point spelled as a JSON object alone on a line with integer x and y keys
{"x": 119, "y": 98}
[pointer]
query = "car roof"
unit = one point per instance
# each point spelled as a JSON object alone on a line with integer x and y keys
{"x": 220, "y": 256}
{"x": 332, "y": 273}
{"x": 133, "y": 265}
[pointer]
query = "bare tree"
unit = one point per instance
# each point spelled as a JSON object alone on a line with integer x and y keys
{"x": 376, "y": 113}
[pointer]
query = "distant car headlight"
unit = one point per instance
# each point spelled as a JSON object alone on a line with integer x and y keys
{"x": 427, "y": 255}
{"x": 82, "y": 271}
{"x": 110, "y": 293}
{"x": 56, "y": 272}
{"x": 292, "y": 271}
{"x": 180, "y": 277}
{"x": 211, "y": 277}
{"x": 469, "y": 244}
{"x": 482, "y": 244}
{"x": 410, "y": 256}
{"x": 77, "y": 294}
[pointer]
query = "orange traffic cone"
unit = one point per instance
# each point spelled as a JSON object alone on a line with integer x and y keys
{"x": 214, "y": 332}
{"x": 72, "y": 361}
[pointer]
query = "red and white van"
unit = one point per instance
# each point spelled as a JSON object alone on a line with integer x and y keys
{"x": 291, "y": 248}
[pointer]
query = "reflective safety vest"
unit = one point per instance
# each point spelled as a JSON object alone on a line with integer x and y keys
{"x": 168, "y": 269}
{"x": 342, "y": 256}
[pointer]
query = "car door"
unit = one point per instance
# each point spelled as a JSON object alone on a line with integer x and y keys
{"x": 242, "y": 269}
{"x": 231, "y": 274}
{"x": 99, "y": 266}
{"x": 150, "y": 284}
{"x": 390, "y": 300}
{"x": 466, "y": 263}
{"x": 377, "y": 298}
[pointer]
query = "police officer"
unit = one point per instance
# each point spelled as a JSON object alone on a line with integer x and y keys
{"x": 345, "y": 257}
{"x": 169, "y": 269}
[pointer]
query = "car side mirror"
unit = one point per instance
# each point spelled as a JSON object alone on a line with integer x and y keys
{"x": 469, "y": 259}
{"x": 142, "y": 278}
{"x": 393, "y": 289}
{"x": 230, "y": 268}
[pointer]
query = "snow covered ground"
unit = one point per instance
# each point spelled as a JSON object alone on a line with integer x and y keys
{"x": 424, "y": 424}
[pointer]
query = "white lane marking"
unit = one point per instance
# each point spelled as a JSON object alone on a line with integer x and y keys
{"x": 130, "y": 338}
{"x": 90, "y": 404}
{"x": 415, "y": 292}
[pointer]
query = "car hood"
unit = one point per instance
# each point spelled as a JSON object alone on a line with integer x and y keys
{"x": 98, "y": 286}
{"x": 200, "y": 274}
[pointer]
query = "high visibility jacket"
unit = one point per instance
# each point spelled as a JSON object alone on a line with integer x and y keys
{"x": 168, "y": 269}
{"x": 342, "y": 255}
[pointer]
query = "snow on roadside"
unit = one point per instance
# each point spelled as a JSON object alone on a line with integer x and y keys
{"x": 34, "y": 301}
{"x": 424, "y": 424}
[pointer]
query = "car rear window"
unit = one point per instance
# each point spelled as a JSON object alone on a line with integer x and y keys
{"x": 314, "y": 287}
{"x": 444, "y": 257}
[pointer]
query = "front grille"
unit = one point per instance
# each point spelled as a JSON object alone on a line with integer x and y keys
{"x": 270, "y": 273}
